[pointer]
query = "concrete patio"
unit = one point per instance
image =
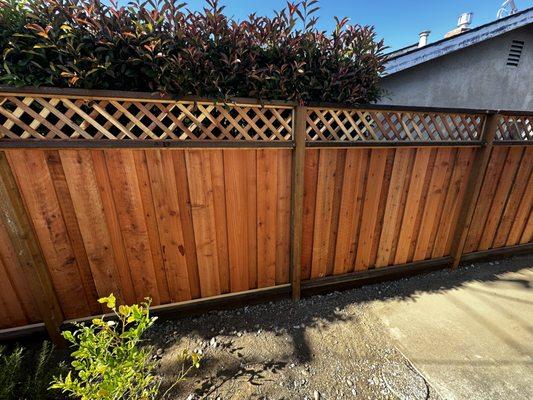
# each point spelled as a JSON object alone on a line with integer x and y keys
{"x": 472, "y": 341}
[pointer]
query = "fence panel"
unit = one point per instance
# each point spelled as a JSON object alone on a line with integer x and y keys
{"x": 173, "y": 224}
{"x": 506, "y": 199}
{"x": 367, "y": 208}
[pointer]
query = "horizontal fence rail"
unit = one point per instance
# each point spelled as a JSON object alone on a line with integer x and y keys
{"x": 262, "y": 198}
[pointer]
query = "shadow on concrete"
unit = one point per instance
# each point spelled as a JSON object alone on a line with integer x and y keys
{"x": 317, "y": 311}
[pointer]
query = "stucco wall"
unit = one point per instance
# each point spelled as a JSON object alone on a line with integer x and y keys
{"x": 475, "y": 77}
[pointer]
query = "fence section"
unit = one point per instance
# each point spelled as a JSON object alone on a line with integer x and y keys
{"x": 503, "y": 214}
{"x": 173, "y": 225}
{"x": 371, "y": 208}
{"x": 347, "y": 190}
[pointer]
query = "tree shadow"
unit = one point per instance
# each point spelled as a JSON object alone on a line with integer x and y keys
{"x": 292, "y": 319}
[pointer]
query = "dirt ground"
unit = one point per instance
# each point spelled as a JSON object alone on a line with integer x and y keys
{"x": 280, "y": 351}
{"x": 330, "y": 346}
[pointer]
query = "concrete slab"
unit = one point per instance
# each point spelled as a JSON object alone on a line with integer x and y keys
{"x": 473, "y": 340}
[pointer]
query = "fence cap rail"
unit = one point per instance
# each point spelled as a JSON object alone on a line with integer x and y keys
{"x": 162, "y": 97}
{"x": 144, "y": 96}
{"x": 399, "y": 108}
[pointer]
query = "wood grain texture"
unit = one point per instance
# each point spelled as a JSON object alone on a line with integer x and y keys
{"x": 203, "y": 213}
{"x": 376, "y": 170}
{"x": 167, "y": 209}
{"x": 267, "y": 195}
{"x": 350, "y": 210}
{"x": 39, "y": 194}
{"x": 236, "y": 169}
{"x": 80, "y": 173}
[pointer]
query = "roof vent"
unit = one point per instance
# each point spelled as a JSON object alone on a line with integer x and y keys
{"x": 515, "y": 52}
{"x": 423, "y": 38}
{"x": 464, "y": 20}
{"x": 463, "y": 25}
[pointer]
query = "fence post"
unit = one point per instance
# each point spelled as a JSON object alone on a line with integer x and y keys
{"x": 26, "y": 245}
{"x": 475, "y": 181}
{"x": 297, "y": 198}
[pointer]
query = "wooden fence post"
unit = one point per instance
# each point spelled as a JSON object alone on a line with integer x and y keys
{"x": 26, "y": 245}
{"x": 475, "y": 181}
{"x": 297, "y": 198}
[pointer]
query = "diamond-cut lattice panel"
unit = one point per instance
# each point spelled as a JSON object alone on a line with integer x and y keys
{"x": 378, "y": 125}
{"x": 32, "y": 117}
{"x": 515, "y": 127}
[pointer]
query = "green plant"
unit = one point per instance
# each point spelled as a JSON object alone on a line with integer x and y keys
{"x": 25, "y": 374}
{"x": 9, "y": 371}
{"x": 158, "y": 45}
{"x": 108, "y": 361}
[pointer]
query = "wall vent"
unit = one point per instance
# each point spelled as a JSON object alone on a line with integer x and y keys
{"x": 515, "y": 52}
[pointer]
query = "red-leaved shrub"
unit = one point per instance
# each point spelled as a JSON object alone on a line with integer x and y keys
{"x": 162, "y": 46}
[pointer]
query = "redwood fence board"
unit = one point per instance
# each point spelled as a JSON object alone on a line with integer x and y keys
{"x": 213, "y": 219}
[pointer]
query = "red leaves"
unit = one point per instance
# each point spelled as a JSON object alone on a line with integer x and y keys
{"x": 159, "y": 45}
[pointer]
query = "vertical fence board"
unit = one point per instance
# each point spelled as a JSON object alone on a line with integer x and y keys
{"x": 165, "y": 197}
{"x": 251, "y": 207}
{"x": 219, "y": 198}
{"x": 203, "y": 213}
{"x": 69, "y": 215}
{"x": 11, "y": 312}
{"x": 309, "y": 209}
{"x": 113, "y": 225}
{"x": 527, "y": 234}
{"x": 520, "y": 221}
{"x": 381, "y": 206}
{"x": 81, "y": 179}
{"x": 283, "y": 228}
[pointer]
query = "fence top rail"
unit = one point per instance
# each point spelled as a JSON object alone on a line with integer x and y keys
{"x": 53, "y": 92}
{"x": 399, "y": 108}
{"x": 162, "y": 97}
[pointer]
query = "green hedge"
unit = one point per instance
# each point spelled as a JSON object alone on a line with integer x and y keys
{"x": 161, "y": 46}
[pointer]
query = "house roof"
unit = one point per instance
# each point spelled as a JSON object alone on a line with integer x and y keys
{"x": 400, "y": 60}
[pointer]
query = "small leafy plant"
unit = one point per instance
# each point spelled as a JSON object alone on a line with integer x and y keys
{"x": 108, "y": 361}
{"x": 26, "y": 374}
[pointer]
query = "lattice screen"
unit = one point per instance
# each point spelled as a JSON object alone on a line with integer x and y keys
{"x": 515, "y": 127}
{"x": 378, "y": 125}
{"x": 25, "y": 117}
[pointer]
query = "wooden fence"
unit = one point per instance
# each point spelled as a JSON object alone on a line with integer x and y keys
{"x": 142, "y": 195}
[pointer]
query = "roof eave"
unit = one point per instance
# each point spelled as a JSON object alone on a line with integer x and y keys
{"x": 466, "y": 39}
